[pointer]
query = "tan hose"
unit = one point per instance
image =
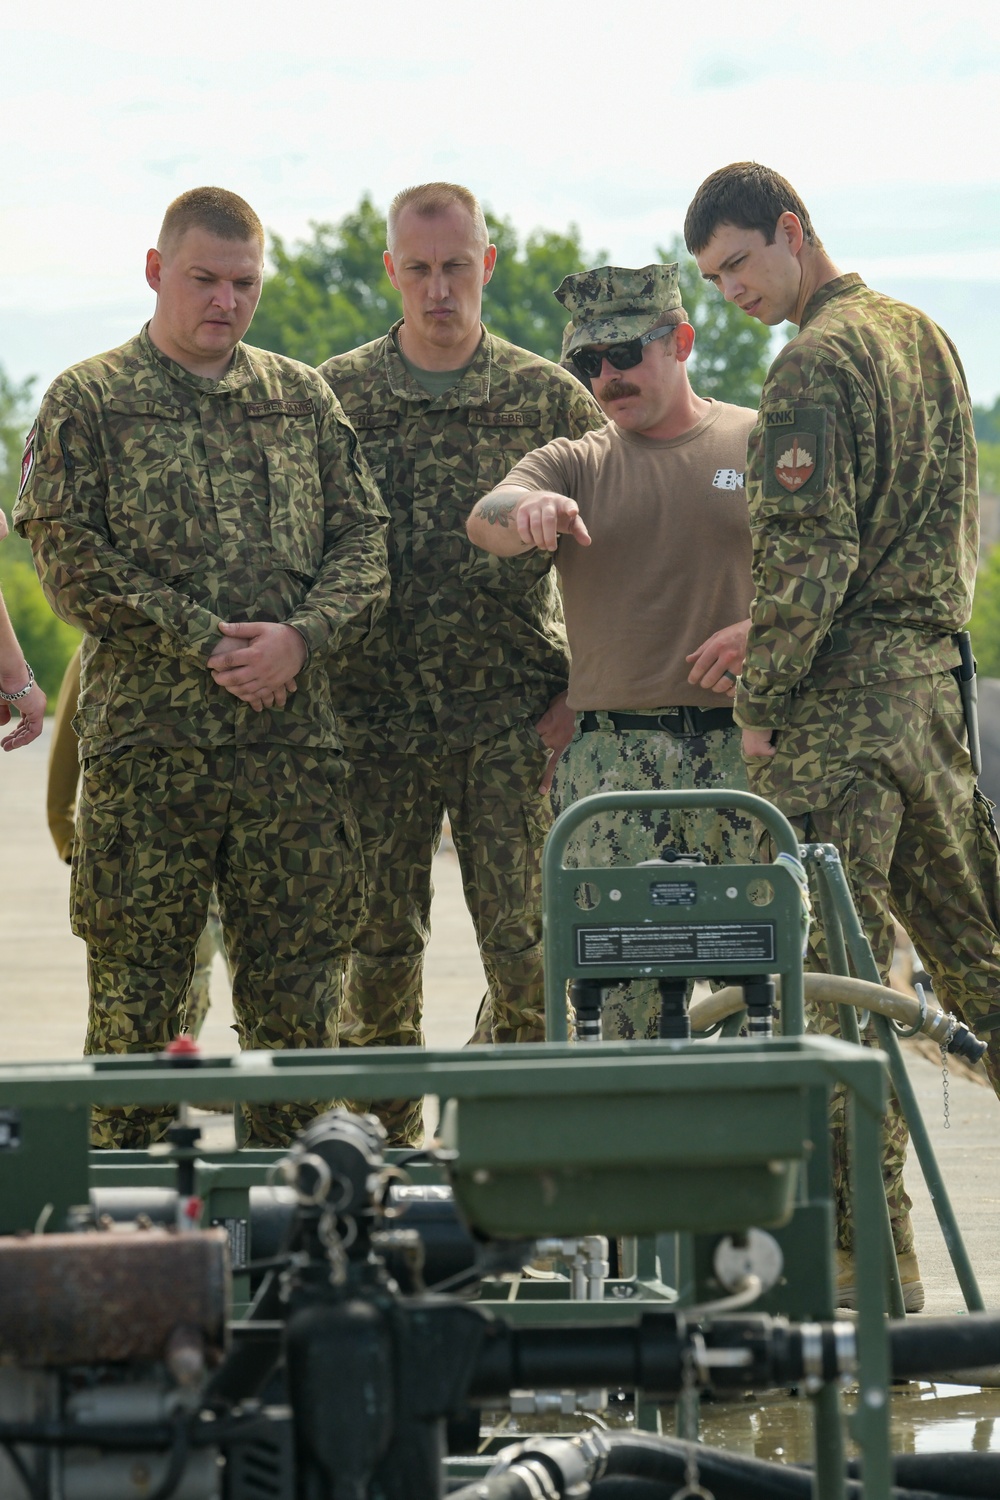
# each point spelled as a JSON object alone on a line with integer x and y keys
{"x": 834, "y": 989}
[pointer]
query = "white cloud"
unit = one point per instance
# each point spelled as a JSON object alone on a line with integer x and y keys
{"x": 882, "y": 115}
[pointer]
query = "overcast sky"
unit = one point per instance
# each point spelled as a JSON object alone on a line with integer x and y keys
{"x": 884, "y": 115}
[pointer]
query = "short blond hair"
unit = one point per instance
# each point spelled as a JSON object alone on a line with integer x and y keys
{"x": 213, "y": 209}
{"x": 430, "y": 198}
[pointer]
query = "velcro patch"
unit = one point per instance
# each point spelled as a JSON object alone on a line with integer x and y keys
{"x": 278, "y": 408}
{"x": 521, "y": 417}
{"x": 138, "y": 408}
{"x": 28, "y": 459}
{"x": 795, "y": 456}
{"x": 365, "y": 421}
{"x": 783, "y": 418}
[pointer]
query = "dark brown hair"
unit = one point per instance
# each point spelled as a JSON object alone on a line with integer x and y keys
{"x": 749, "y": 196}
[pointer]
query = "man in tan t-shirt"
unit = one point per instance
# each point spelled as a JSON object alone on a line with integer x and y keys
{"x": 647, "y": 524}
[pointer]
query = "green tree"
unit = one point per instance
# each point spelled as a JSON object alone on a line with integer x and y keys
{"x": 518, "y": 303}
{"x": 47, "y": 642}
{"x": 731, "y": 352}
{"x": 985, "y": 622}
{"x": 15, "y": 407}
{"x": 986, "y": 420}
{"x": 989, "y": 468}
{"x": 330, "y": 293}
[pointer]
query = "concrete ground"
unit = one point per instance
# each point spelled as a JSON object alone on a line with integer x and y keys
{"x": 43, "y": 1012}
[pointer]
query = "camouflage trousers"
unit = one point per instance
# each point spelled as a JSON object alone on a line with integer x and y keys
{"x": 636, "y": 760}
{"x": 270, "y": 827}
{"x": 498, "y": 822}
{"x": 883, "y": 773}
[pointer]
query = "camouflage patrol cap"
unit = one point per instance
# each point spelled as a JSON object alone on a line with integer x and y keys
{"x": 615, "y": 303}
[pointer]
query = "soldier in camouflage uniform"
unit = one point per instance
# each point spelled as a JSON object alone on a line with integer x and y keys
{"x": 456, "y": 700}
{"x": 202, "y": 511}
{"x": 864, "y": 508}
{"x": 646, "y": 521}
{"x": 61, "y": 795}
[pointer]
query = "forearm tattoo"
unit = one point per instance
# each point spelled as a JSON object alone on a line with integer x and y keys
{"x": 497, "y": 512}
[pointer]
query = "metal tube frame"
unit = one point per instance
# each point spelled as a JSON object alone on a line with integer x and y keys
{"x": 845, "y": 936}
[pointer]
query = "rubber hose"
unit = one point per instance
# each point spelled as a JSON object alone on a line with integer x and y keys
{"x": 728, "y": 1476}
{"x": 833, "y": 989}
{"x": 923, "y": 1346}
{"x": 953, "y": 1474}
{"x": 629, "y": 1487}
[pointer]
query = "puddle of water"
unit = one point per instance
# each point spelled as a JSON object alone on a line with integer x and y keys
{"x": 777, "y": 1427}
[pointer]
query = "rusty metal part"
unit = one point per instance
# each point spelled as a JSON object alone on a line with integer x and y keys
{"x": 70, "y": 1299}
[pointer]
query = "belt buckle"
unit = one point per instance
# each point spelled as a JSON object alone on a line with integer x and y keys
{"x": 687, "y": 715}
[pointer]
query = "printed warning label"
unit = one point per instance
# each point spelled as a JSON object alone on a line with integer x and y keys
{"x": 711, "y": 942}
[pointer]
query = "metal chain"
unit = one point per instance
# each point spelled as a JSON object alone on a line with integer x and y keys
{"x": 691, "y": 1489}
{"x": 944, "y": 1086}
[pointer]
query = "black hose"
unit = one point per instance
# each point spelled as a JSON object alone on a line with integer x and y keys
{"x": 927, "y": 1346}
{"x": 176, "y": 1463}
{"x": 729, "y": 1476}
{"x": 629, "y": 1487}
{"x": 954, "y": 1474}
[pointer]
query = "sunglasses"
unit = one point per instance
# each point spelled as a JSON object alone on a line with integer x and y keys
{"x": 622, "y": 356}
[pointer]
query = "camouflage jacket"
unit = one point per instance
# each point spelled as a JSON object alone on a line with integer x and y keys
{"x": 469, "y": 644}
{"x": 159, "y": 503}
{"x": 861, "y": 479}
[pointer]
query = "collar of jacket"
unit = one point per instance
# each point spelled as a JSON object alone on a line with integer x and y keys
{"x": 240, "y": 374}
{"x": 827, "y": 291}
{"x": 472, "y": 390}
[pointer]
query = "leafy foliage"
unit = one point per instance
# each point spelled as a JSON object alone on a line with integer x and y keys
{"x": 518, "y": 303}
{"x": 47, "y": 642}
{"x": 327, "y": 294}
{"x": 987, "y": 422}
{"x": 989, "y": 468}
{"x": 985, "y": 622}
{"x": 731, "y": 351}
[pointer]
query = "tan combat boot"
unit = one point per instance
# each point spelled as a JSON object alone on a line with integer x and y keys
{"x": 909, "y": 1280}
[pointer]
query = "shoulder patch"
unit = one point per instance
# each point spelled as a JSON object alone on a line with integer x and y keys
{"x": 795, "y": 456}
{"x": 524, "y": 416}
{"x": 783, "y": 418}
{"x": 278, "y": 408}
{"x": 27, "y": 459}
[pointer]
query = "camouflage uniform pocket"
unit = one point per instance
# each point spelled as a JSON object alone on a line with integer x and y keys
{"x": 98, "y": 878}
{"x": 989, "y": 854}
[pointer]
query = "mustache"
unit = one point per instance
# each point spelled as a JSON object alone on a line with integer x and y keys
{"x": 617, "y": 390}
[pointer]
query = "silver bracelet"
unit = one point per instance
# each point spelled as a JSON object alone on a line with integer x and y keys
{"x": 21, "y": 692}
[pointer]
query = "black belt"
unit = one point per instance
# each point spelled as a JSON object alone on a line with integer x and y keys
{"x": 676, "y": 720}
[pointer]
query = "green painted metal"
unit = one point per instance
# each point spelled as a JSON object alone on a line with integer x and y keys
{"x": 849, "y": 936}
{"x": 671, "y": 921}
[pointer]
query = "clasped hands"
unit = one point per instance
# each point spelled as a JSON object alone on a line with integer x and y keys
{"x": 258, "y": 662}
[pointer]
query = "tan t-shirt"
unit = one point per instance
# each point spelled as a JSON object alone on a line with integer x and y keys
{"x": 670, "y": 559}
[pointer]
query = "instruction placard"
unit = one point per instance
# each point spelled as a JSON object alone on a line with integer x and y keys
{"x": 669, "y": 943}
